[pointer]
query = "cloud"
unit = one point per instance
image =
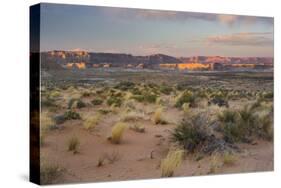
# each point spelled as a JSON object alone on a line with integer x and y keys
{"x": 243, "y": 39}
{"x": 225, "y": 19}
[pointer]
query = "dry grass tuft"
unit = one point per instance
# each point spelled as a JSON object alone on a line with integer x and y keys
{"x": 171, "y": 162}
{"x": 117, "y": 132}
{"x": 158, "y": 117}
{"x": 91, "y": 122}
{"x": 46, "y": 122}
{"x": 185, "y": 108}
{"x": 229, "y": 159}
{"x": 73, "y": 144}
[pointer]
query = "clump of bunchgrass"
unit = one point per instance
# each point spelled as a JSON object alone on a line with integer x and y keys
{"x": 158, "y": 117}
{"x": 73, "y": 144}
{"x": 186, "y": 97}
{"x": 171, "y": 162}
{"x": 185, "y": 108}
{"x": 90, "y": 122}
{"x": 228, "y": 159}
{"x": 117, "y": 132}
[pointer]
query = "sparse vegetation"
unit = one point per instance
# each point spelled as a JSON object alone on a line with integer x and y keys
{"x": 171, "y": 162}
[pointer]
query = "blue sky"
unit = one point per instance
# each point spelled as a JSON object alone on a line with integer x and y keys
{"x": 145, "y": 32}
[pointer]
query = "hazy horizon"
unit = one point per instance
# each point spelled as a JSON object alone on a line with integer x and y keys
{"x": 146, "y": 32}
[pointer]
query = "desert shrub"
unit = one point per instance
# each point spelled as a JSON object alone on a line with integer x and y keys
{"x": 104, "y": 111}
{"x": 80, "y": 104}
{"x": 97, "y": 101}
{"x": 158, "y": 117}
{"x": 266, "y": 127}
{"x": 171, "y": 162}
{"x": 268, "y": 95}
{"x": 87, "y": 94}
{"x": 125, "y": 85}
{"x": 137, "y": 128}
{"x": 239, "y": 126}
{"x": 186, "y": 97}
{"x": 145, "y": 97}
{"x": 136, "y": 91}
{"x": 69, "y": 115}
{"x": 248, "y": 121}
{"x": 76, "y": 103}
{"x": 73, "y": 144}
{"x": 48, "y": 102}
{"x": 49, "y": 173}
{"x": 229, "y": 159}
{"x": 231, "y": 132}
{"x": 59, "y": 119}
{"x": 117, "y": 132}
{"x": 257, "y": 104}
{"x": 91, "y": 122}
{"x": 165, "y": 89}
{"x": 114, "y": 101}
{"x": 189, "y": 134}
{"x": 54, "y": 94}
{"x": 228, "y": 116}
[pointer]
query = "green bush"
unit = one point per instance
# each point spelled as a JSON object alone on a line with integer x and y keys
{"x": 76, "y": 103}
{"x": 68, "y": 115}
{"x": 146, "y": 97}
{"x": 116, "y": 101}
{"x": 97, "y": 101}
{"x": 239, "y": 126}
{"x": 125, "y": 85}
{"x": 166, "y": 89}
{"x": 228, "y": 116}
{"x": 189, "y": 134}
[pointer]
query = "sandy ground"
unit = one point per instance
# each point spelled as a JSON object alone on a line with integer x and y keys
{"x": 139, "y": 155}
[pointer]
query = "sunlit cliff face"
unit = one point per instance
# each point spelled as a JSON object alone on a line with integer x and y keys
{"x": 168, "y": 65}
{"x": 192, "y": 66}
{"x": 80, "y": 65}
